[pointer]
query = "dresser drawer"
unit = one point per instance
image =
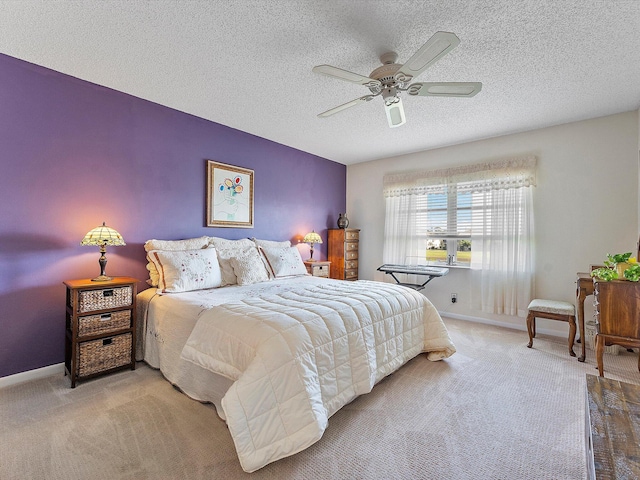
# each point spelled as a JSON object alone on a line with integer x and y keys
{"x": 105, "y": 323}
{"x": 351, "y": 274}
{"x": 102, "y": 299}
{"x": 104, "y": 354}
{"x": 351, "y": 265}
{"x": 350, "y": 246}
{"x": 352, "y": 235}
{"x": 352, "y": 255}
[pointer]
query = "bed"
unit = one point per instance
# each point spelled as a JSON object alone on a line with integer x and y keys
{"x": 277, "y": 357}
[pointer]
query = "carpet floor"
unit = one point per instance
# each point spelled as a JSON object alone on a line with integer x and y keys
{"x": 494, "y": 410}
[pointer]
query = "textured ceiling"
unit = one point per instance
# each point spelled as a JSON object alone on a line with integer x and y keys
{"x": 247, "y": 63}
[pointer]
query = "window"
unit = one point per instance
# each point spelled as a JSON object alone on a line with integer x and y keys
{"x": 479, "y": 217}
{"x": 448, "y": 227}
{"x": 443, "y": 221}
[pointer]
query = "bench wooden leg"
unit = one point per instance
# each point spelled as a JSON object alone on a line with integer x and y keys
{"x": 531, "y": 328}
{"x": 572, "y": 334}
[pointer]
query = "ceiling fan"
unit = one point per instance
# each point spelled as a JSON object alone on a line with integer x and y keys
{"x": 391, "y": 79}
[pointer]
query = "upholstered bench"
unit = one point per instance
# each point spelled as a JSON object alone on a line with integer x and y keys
{"x": 553, "y": 310}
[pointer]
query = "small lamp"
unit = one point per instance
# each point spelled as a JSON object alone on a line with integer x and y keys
{"x": 311, "y": 238}
{"x": 101, "y": 237}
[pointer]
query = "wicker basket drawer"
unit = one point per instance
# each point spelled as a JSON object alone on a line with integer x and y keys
{"x": 105, "y": 323}
{"x": 103, "y": 354}
{"x": 91, "y": 300}
{"x": 320, "y": 270}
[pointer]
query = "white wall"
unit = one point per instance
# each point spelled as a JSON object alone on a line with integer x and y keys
{"x": 585, "y": 204}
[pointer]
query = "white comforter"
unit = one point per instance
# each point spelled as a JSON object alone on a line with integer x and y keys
{"x": 298, "y": 356}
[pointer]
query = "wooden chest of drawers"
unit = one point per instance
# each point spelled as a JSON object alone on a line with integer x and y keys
{"x": 617, "y": 314}
{"x": 343, "y": 253}
{"x": 100, "y": 327}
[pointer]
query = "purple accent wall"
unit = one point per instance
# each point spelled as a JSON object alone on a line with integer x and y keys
{"x": 74, "y": 154}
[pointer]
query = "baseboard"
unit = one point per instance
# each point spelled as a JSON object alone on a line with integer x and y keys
{"x": 497, "y": 323}
{"x": 57, "y": 369}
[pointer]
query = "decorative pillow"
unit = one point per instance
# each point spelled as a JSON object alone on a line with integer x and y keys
{"x": 183, "y": 271}
{"x": 271, "y": 243}
{"x": 228, "y": 249}
{"x": 249, "y": 268}
{"x": 285, "y": 261}
{"x": 171, "y": 245}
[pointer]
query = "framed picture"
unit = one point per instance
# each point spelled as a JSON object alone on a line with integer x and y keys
{"x": 229, "y": 196}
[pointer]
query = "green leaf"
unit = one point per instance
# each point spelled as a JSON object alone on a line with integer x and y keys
{"x": 604, "y": 273}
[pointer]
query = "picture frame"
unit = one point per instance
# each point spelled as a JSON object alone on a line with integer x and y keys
{"x": 229, "y": 195}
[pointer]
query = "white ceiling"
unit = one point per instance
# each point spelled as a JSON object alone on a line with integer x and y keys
{"x": 247, "y": 63}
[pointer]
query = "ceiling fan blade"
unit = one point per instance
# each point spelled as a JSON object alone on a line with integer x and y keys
{"x": 436, "y": 47}
{"x": 445, "y": 89}
{"x": 345, "y": 75}
{"x": 395, "y": 114}
{"x": 344, "y": 106}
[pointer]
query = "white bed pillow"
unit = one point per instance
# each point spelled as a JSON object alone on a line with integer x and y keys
{"x": 271, "y": 243}
{"x": 171, "y": 245}
{"x": 186, "y": 270}
{"x": 225, "y": 243}
{"x": 249, "y": 268}
{"x": 285, "y": 261}
{"x": 228, "y": 249}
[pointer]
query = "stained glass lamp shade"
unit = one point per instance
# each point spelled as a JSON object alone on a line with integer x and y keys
{"x": 101, "y": 237}
{"x": 312, "y": 238}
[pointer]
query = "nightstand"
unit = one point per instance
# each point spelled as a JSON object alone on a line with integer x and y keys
{"x": 100, "y": 333}
{"x": 318, "y": 269}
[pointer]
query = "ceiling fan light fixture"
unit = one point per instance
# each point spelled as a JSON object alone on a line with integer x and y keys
{"x": 395, "y": 113}
{"x": 390, "y": 95}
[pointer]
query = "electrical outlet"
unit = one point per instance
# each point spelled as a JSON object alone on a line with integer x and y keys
{"x": 454, "y": 297}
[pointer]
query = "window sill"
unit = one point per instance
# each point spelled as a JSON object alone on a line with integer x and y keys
{"x": 444, "y": 265}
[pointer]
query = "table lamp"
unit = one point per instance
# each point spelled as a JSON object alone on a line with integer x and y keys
{"x": 101, "y": 237}
{"x": 311, "y": 238}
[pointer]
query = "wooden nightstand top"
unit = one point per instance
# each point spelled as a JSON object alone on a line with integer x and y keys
{"x": 87, "y": 282}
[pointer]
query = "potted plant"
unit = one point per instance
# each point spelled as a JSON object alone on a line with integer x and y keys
{"x": 619, "y": 266}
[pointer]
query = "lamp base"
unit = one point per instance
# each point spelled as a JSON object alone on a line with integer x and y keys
{"x": 310, "y": 260}
{"x": 101, "y": 278}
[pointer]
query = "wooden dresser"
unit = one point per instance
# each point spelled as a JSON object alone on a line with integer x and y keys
{"x": 343, "y": 253}
{"x": 617, "y": 312}
{"x": 612, "y": 428}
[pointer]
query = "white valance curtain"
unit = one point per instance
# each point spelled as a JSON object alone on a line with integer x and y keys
{"x": 504, "y": 174}
{"x": 501, "y": 226}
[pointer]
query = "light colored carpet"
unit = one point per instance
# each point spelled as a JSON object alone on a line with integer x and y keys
{"x": 495, "y": 410}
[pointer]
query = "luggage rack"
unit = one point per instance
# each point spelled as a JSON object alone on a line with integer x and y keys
{"x": 426, "y": 270}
